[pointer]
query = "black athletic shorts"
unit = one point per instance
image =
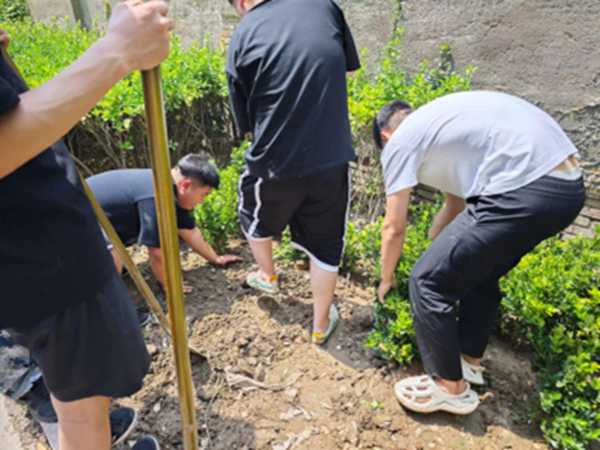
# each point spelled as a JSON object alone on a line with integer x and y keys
{"x": 315, "y": 207}
{"x": 93, "y": 348}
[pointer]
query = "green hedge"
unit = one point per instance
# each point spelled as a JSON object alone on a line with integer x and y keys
{"x": 552, "y": 303}
{"x": 13, "y": 10}
{"x": 113, "y": 134}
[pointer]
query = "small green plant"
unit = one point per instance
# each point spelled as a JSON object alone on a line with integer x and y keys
{"x": 113, "y": 134}
{"x": 217, "y": 215}
{"x": 377, "y": 404}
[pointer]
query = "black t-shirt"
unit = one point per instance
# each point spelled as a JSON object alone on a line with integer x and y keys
{"x": 52, "y": 253}
{"x": 127, "y": 197}
{"x": 286, "y": 71}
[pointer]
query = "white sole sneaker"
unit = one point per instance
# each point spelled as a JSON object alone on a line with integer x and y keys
{"x": 411, "y": 390}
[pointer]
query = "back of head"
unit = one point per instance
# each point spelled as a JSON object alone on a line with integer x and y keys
{"x": 199, "y": 168}
{"x": 389, "y": 117}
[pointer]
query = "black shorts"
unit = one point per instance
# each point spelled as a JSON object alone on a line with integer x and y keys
{"x": 315, "y": 207}
{"x": 93, "y": 348}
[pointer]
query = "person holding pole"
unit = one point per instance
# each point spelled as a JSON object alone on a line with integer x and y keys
{"x": 286, "y": 71}
{"x": 62, "y": 297}
{"x": 511, "y": 180}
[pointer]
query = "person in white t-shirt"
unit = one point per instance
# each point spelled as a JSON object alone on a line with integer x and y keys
{"x": 511, "y": 180}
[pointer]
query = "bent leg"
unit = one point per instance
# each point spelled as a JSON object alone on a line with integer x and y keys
{"x": 83, "y": 424}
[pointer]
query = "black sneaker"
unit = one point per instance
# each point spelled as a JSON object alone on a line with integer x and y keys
{"x": 39, "y": 403}
{"x": 147, "y": 443}
{"x": 144, "y": 318}
{"x": 122, "y": 422}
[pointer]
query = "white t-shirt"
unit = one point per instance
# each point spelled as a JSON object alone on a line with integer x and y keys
{"x": 474, "y": 143}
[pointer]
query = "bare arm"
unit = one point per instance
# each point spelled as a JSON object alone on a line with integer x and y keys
{"x": 158, "y": 269}
{"x": 452, "y": 207}
{"x": 392, "y": 238}
{"x": 156, "y": 264}
{"x": 196, "y": 241}
{"x": 47, "y": 113}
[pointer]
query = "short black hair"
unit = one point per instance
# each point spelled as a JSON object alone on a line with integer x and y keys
{"x": 383, "y": 117}
{"x": 199, "y": 168}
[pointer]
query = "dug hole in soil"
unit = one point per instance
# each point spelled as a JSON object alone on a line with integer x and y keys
{"x": 263, "y": 385}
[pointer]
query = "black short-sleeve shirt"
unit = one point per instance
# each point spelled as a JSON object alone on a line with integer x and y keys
{"x": 52, "y": 253}
{"x": 286, "y": 72}
{"x": 127, "y": 197}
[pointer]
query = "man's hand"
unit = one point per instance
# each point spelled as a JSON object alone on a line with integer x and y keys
{"x": 187, "y": 288}
{"x": 139, "y": 33}
{"x": 384, "y": 288}
{"x": 4, "y": 39}
{"x": 223, "y": 260}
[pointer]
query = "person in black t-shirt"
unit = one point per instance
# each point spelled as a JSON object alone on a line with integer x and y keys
{"x": 127, "y": 197}
{"x": 61, "y": 295}
{"x": 286, "y": 72}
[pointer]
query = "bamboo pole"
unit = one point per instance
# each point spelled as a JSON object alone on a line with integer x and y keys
{"x": 169, "y": 238}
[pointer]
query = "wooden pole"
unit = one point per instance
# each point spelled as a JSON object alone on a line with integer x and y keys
{"x": 169, "y": 243}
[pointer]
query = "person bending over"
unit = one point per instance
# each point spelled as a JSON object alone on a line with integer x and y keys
{"x": 127, "y": 197}
{"x": 511, "y": 180}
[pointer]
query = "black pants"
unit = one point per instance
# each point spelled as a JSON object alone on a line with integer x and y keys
{"x": 469, "y": 257}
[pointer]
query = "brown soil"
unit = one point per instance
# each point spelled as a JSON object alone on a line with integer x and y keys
{"x": 336, "y": 397}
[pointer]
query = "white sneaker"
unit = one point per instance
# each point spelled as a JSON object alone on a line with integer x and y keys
{"x": 473, "y": 374}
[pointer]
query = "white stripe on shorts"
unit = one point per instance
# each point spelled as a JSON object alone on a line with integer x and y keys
{"x": 240, "y": 193}
{"x": 257, "y": 208}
